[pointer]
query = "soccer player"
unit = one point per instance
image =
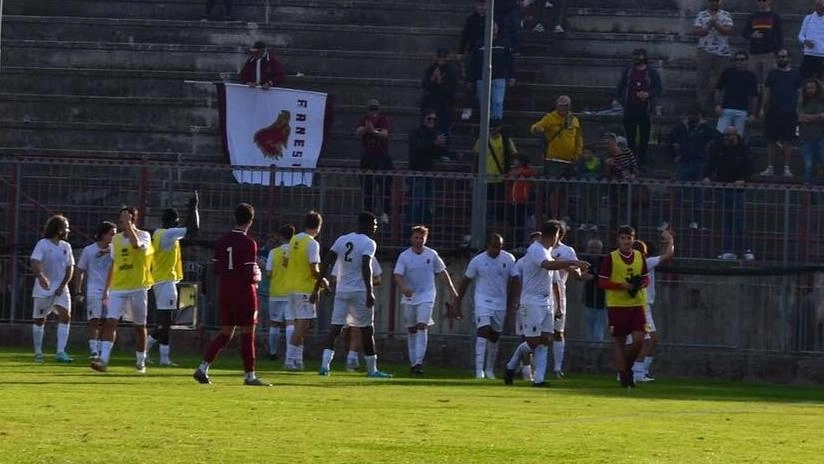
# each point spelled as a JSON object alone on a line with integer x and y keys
{"x": 414, "y": 275}
{"x": 561, "y": 252}
{"x": 354, "y": 295}
{"x": 537, "y": 300}
{"x": 352, "y": 334}
{"x": 52, "y": 262}
{"x": 127, "y": 288}
{"x": 623, "y": 276}
{"x": 640, "y": 369}
{"x": 278, "y": 292}
{"x": 493, "y": 272}
{"x": 93, "y": 266}
{"x": 167, "y": 271}
{"x": 302, "y": 269}
{"x": 235, "y": 261}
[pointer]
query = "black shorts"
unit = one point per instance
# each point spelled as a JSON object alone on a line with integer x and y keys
{"x": 780, "y": 126}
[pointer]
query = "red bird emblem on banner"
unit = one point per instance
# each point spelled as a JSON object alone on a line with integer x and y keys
{"x": 273, "y": 138}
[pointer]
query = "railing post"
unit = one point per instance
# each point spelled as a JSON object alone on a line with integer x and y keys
{"x": 13, "y": 240}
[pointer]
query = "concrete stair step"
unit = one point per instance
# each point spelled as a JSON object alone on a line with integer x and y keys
{"x": 596, "y": 44}
{"x": 314, "y": 36}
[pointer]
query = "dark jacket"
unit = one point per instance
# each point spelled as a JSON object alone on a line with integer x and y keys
{"x": 271, "y": 71}
{"x": 655, "y": 87}
{"x": 593, "y": 295}
{"x": 770, "y": 25}
{"x": 729, "y": 163}
{"x": 472, "y": 33}
{"x": 437, "y": 95}
{"x": 692, "y": 141}
{"x": 423, "y": 153}
{"x": 503, "y": 65}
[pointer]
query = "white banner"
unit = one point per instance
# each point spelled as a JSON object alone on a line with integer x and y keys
{"x": 281, "y": 127}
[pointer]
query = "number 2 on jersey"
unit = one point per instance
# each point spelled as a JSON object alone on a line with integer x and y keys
{"x": 346, "y": 256}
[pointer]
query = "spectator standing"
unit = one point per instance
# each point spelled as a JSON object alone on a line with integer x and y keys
{"x": 503, "y": 73}
{"x": 730, "y": 163}
{"x": 736, "y": 95}
{"x": 594, "y": 304}
{"x": 426, "y": 146}
{"x": 811, "y": 127}
{"x": 499, "y": 157}
{"x": 689, "y": 142}
{"x": 472, "y": 35}
{"x": 781, "y": 94}
{"x": 521, "y": 198}
{"x": 373, "y": 130}
{"x": 811, "y": 36}
{"x": 262, "y": 69}
{"x": 637, "y": 91}
{"x": 440, "y": 80}
{"x": 765, "y": 32}
{"x": 713, "y": 27}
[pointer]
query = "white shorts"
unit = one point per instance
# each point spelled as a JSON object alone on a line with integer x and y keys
{"x": 535, "y": 320}
{"x": 45, "y": 305}
{"x": 165, "y": 294}
{"x": 278, "y": 308}
{"x": 420, "y": 313}
{"x": 649, "y": 327}
{"x": 130, "y": 306}
{"x": 492, "y": 317}
{"x": 350, "y": 309}
{"x": 94, "y": 306}
{"x": 300, "y": 307}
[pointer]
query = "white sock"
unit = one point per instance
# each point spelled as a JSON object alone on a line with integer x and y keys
{"x": 274, "y": 340}
{"x": 62, "y": 337}
{"x": 480, "y": 353}
{"x": 638, "y": 368}
{"x": 290, "y": 330}
{"x": 105, "y": 351}
{"x": 411, "y": 343}
{"x": 352, "y": 359}
{"x": 491, "y": 355}
{"x": 628, "y": 340}
{"x": 326, "y": 361}
{"x": 140, "y": 356}
{"x": 204, "y": 367}
{"x": 37, "y": 337}
{"x": 420, "y": 345}
{"x": 558, "y": 354}
{"x": 522, "y": 349}
{"x": 299, "y": 355}
{"x": 164, "y": 354}
{"x": 94, "y": 346}
{"x": 541, "y": 360}
{"x": 251, "y": 375}
{"x": 150, "y": 343}
{"x": 647, "y": 364}
{"x": 371, "y": 363}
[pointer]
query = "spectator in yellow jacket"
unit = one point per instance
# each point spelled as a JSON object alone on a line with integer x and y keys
{"x": 563, "y": 137}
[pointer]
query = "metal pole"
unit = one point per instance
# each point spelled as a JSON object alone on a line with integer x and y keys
{"x": 1, "y": 34}
{"x": 479, "y": 191}
{"x": 18, "y": 171}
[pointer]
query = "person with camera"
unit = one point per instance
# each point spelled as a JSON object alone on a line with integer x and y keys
{"x": 622, "y": 276}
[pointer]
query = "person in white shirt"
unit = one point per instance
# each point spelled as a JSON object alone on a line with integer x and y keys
{"x": 52, "y": 262}
{"x": 93, "y": 267}
{"x": 561, "y": 252}
{"x": 354, "y": 295}
{"x": 640, "y": 369}
{"x": 537, "y": 300}
{"x": 493, "y": 272}
{"x": 811, "y": 36}
{"x": 414, "y": 275}
{"x": 167, "y": 271}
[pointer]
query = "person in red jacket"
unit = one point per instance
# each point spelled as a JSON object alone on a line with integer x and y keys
{"x": 261, "y": 68}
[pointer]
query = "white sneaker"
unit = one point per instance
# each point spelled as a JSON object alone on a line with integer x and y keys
{"x": 558, "y": 30}
{"x": 787, "y": 172}
{"x": 693, "y": 225}
{"x": 526, "y": 373}
{"x": 480, "y": 375}
{"x": 548, "y": 5}
{"x": 538, "y": 28}
{"x": 644, "y": 378}
{"x": 140, "y": 368}
{"x": 466, "y": 114}
{"x": 384, "y": 218}
{"x": 749, "y": 255}
{"x": 728, "y": 256}
{"x": 767, "y": 172}
{"x": 583, "y": 227}
{"x": 489, "y": 374}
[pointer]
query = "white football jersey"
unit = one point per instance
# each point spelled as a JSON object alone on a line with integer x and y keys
{"x": 95, "y": 262}
{"x": 418, "y": 272}
{"x": 652, "y": 263}
{"x": 351, "y": 248}
{"x": 491, "y": 276}
{"x": 54, "y": 259}
{"x": 535, "y": 280}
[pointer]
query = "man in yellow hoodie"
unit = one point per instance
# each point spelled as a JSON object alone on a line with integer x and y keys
{"x": 564, "y": 143}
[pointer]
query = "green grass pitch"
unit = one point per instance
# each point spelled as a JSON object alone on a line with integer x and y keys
{"x": 53, "y": 413}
